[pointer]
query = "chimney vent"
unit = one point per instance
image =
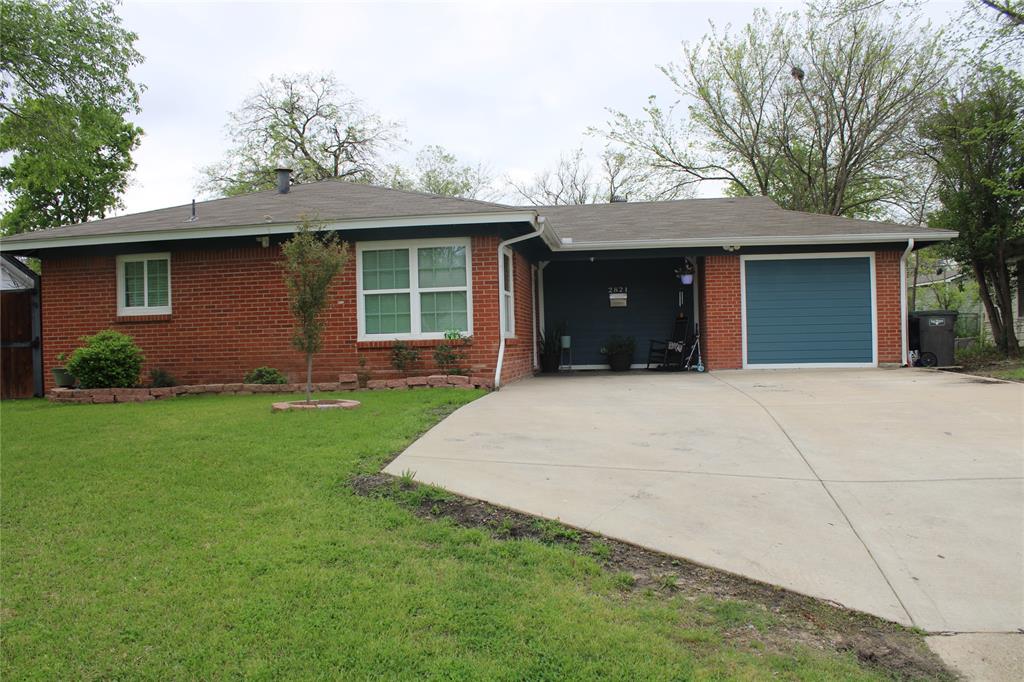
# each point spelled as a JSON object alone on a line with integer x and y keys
{"x": 284, "y": 179}
{"x": 619, "y": 199}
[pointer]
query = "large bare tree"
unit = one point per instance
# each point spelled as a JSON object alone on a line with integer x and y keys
{"x": 815, "y": 109}
{"x": 308, "y": 120}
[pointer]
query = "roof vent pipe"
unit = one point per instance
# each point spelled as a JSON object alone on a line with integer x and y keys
{"x": 284, "y": 179}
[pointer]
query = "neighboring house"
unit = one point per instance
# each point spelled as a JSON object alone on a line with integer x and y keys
{"x": 205, "y": 298}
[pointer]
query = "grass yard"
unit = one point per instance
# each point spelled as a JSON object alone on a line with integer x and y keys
{"x": 204, "y": 537}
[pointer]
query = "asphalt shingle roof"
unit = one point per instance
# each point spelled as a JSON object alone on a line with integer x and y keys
{"x": 327, "y": 200}
{"x": 720, "y": 220}
{"x": 740, "y": 217}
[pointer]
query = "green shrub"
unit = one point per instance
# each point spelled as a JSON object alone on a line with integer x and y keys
{"x": 979, "y": 354}
{"x": 109, "y": 359}
{"x": 265, "y": 375}
{"x": 403, "y": 356}
{"x": 449, "y": 355}
{"x": 161, "y": 378}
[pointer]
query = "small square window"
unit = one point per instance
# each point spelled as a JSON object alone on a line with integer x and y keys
{"x": 144, "y": 284}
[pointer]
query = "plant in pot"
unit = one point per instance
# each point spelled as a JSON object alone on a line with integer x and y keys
{"x": 551, "y": 351}
{"x": 61, "y": 376}
{"x": 619, "y": 352}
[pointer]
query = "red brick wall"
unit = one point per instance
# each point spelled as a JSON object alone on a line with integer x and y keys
{"x": 721, "y": 328}
{"x": 230, "y": 315}
{"x": 887, "y": 300}
{"x": 518, "y": 361}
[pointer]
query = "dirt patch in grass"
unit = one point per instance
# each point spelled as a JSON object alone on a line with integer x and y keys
{"x": 788, "y": 618}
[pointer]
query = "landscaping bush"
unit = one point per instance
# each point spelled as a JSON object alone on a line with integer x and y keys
{"x": 980, "y": 354}
{"x": 109, "y": 359}
{"x": 265, "y": 375}
{"x": 403, "y": 356}
{"x": 449, "y": 355}
{"x": 161, "y": 378}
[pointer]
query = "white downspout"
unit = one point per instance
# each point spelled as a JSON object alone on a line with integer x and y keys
{"x": 904, "y": 340}
{"x": 540, "y": 224}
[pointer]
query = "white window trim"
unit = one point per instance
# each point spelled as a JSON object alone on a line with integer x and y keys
{"x": 125, "y": 311}
{"x": 870, "y": 255}
{"x": 510, "y": 318}
{"x": 414, "y": 291}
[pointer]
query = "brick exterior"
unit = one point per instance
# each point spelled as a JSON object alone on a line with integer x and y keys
{"x": 721, "y": 329}
{"x": 720, "y": 310}
{"x": 230, "y": 315}
{"x": 887, "y": 301}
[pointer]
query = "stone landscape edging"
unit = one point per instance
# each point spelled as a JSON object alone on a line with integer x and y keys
{"x": 346, "y": 382}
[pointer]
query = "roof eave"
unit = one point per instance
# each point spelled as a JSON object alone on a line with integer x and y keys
{"x": 777, "y": 240}
{"x": 262, "y": 230}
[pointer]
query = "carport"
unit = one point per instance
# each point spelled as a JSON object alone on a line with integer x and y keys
{"x": 592, "y": 298}
{"x": 772, "y": 288}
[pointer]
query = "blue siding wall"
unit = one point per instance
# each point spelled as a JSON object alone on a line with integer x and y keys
{"x": 808, "y": 311}
{"x": 576, "y": 295}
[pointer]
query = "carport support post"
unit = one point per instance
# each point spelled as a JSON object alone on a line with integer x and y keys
{"x": 904, "y": 340}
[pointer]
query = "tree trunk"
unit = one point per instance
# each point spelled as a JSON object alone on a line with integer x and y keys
{"x": 994, "y": 319}
{"x": 309, "y": 377}
{"x": 1004, "y": 299}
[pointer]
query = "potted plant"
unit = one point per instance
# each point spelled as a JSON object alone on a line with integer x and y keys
{"x": 619, "y": 352}
{"x": 61, "y": 376}
{"x": 551, "y": 352}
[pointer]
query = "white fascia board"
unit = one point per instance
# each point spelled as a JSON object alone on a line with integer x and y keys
{"x": 180, "y": 233}
{"x": 626, "y": 244}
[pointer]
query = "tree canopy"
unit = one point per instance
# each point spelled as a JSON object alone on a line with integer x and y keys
{"x": 574, "y": 180}
{"x": 65, "y": 92}
{"x": 976, "y": 139}
{"x": 438, "y": 171}
{"x": 310, "y": 122}
{"x": 815, "y": 109}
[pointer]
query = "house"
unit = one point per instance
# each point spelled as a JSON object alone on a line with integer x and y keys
{"x": 201, "y": 290}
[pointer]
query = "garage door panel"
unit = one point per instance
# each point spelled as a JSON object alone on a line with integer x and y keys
{"x": 808, "y": 310}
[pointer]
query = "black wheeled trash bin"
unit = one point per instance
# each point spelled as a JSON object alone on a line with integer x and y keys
{"x": 933, "y": 336}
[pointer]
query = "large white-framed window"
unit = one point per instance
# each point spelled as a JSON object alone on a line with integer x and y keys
{"x": 144, "y": 284}
{"x": 415, "y": 289}
{"x": 508, "y": 293}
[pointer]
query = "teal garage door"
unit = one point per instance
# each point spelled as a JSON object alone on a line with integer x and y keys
{"x": 806, "y": 311}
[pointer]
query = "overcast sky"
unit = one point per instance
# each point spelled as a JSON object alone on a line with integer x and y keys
{"x": 509, "y": 85}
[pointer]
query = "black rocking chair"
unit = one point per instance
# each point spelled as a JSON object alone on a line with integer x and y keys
{"x": 670, "y": 354}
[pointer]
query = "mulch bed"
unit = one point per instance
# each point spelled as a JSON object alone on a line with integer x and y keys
{"x": 819, "y": 624}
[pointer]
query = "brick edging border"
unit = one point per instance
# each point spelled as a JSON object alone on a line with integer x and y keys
{"x": 346, "y": 382}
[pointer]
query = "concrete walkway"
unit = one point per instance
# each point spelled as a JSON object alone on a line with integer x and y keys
{"x": 895, "y": 492}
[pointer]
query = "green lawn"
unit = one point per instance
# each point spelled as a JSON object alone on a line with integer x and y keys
{"x": 204, "y": 537}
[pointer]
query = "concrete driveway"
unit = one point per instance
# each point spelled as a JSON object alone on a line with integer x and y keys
{"x": 896, "y": 492}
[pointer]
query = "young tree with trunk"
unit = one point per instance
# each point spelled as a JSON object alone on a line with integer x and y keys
{"x": 65, "y": 93}
{"x": 312, "y": 259}
{"x": 311, "y": 121}
{"x": 815, "y": 109}
{"x": 976, "y": 138}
